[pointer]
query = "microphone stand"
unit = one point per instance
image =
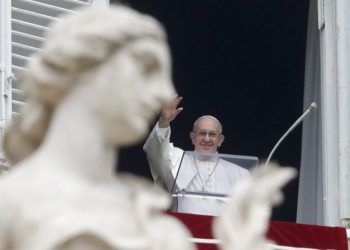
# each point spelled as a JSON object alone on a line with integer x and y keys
{"x": 296, "y": 123}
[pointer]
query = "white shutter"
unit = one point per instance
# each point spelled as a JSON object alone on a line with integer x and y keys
{"x": 30, "y": 20}
{"x": 23, "y": 24}
{"x": 5, "y": 71}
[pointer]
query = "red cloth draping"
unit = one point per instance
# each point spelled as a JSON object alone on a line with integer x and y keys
{"x": 282, "y": 233}
{"x": 312, "y": 236}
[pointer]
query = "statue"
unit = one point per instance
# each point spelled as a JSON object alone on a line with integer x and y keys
{"x": 101, "y": 77}
{"x": 244, "y": 222}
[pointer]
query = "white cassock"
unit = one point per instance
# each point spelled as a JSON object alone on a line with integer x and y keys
{"x": 212, "y": 176}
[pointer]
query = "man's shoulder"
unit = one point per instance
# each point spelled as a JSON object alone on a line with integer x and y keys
{"x": 232, "y": 167}
{"x": 175, "y": 150}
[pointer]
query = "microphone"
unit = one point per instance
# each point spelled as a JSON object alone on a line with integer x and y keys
{"x": 312, "y": 107}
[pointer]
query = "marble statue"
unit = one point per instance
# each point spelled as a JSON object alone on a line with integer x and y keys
{"x": 244, "y": 222}
{"x": 101, "y": 77}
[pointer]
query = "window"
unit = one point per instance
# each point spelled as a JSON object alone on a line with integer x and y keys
{"x": 23, "y": 27}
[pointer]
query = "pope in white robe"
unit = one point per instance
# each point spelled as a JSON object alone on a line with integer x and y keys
{"x": 212, "y": 175}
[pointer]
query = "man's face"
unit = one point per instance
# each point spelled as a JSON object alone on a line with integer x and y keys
{"x": 206, "y": 136}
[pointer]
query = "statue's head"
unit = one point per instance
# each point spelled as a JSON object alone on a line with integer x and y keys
{"x": 119, "y": 53}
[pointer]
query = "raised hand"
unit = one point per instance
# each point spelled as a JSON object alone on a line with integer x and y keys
{"x": 169, "y": 112}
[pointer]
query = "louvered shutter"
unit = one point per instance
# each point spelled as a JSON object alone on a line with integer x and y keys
{"x": 30, "y": 20}
{"x": 23, "y": 24}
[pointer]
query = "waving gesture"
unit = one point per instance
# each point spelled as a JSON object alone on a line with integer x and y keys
{"x": 169, "y": 112}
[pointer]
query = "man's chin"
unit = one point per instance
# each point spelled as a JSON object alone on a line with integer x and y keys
{"x": 207, "y": 150}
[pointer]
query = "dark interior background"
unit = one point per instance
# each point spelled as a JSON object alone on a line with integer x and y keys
{"x": 243, "y": 62}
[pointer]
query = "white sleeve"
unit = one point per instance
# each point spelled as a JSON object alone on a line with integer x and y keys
{"x": 161, "y": 156}
{"x": 163, "y": 132}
